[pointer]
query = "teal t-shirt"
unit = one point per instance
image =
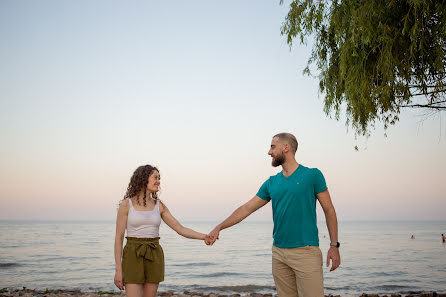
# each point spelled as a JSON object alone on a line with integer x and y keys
{"x": 294, "y": 206}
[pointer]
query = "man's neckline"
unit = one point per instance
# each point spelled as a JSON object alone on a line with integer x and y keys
{"x": 295, "y": 170}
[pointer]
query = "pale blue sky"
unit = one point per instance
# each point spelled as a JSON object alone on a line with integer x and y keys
{"x": 92, "y": 89}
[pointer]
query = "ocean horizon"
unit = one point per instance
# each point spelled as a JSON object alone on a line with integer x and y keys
{"x": 213, "y": 221}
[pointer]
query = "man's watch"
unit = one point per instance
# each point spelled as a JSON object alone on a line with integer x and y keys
{"x": 336, "y": 244}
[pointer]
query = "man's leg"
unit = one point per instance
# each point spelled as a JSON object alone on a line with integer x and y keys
{"x": 284, "y": 276}
{"x": 307, "y": 264}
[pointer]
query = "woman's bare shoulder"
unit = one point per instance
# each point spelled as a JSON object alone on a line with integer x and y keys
{"x": 124, "y": 205}
{"x": 162, "y": 206}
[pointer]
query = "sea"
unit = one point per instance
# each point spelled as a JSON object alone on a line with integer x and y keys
{"x": 376, "y": 257}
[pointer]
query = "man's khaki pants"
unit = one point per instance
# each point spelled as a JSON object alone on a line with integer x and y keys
{"x": 298, "y": 271}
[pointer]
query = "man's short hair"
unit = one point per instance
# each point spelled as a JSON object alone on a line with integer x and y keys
{"x": 288, "y": 138}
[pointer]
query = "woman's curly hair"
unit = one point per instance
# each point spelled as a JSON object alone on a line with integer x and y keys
{"x": 138, "y": 182}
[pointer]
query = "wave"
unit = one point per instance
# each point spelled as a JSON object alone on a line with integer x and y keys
{"x": 393, "y": 287}
{"x": 49, "y": 258}
{"x": 395, "y": 273}
{"x": 7, "y": 265}
{"x": 217, "y": 274}
{"x": 338, "y": 288}
{"x": 193, "y": 264}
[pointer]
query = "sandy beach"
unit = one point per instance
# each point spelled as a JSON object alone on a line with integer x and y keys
{"x": 25, "y": 292}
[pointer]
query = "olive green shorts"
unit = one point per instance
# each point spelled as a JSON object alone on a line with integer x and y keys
{"x": 142, "y": 261}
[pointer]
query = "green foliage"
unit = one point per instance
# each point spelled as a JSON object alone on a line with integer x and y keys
{"x": 4, "y": 290}
{"x": 48, "y": 291}
{"x": 374, "y": 57}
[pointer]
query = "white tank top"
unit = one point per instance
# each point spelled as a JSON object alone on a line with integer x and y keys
{"x": 143, "y": 224}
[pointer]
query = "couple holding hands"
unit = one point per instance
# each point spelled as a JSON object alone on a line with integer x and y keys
{"x": 293, "y": 192}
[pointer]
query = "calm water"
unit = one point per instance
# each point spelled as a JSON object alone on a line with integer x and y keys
{"x": 376, "y": 257}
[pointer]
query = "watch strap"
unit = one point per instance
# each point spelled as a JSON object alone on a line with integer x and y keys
{"x": 336, "y": 244}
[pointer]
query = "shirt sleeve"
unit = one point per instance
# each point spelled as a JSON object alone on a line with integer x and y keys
{"x": 263, "y": 192}
{"x": 319, "y": 182}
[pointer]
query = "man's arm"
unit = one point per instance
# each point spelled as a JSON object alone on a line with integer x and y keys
{"x": 237, "y": 216}
{"x": 332, "y": 225}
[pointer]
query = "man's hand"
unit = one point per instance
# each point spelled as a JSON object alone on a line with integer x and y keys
{"x": 333, "y": 255}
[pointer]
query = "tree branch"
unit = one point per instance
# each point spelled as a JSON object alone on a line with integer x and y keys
{"x": 423, "y": 94}
{"x": 429, "y": 93}
{"x": 430, "y": 105}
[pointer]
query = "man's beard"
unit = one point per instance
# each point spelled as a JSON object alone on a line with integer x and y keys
{"x": 277, "y": 161}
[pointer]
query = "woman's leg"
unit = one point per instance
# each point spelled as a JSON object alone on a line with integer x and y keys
{"x": 150, "y": 289}
{"x": 134, "y": 290}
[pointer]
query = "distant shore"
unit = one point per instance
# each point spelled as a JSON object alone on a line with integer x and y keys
{"x": 25, "y": 292}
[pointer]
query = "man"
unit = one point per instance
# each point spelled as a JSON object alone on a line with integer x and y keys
{"x": 297, "y": 259}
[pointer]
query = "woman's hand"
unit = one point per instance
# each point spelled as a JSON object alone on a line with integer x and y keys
{"x": 208, "y": 240}
{"x": 118, "y": 280}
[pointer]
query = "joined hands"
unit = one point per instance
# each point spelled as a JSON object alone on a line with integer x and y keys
{"x": 212, "y": 236}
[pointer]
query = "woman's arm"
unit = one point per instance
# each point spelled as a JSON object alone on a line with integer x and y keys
{"x": 121, "y": 224}
{"x": 175, "y": 225}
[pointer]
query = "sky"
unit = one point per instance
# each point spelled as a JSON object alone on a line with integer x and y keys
{"x": 90, "y": 90}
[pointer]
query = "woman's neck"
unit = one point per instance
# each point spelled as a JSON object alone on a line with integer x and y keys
{"x": 140, "y": 198}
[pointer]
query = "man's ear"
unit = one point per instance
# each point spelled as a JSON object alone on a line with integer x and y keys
{"x": 286, "y": 147}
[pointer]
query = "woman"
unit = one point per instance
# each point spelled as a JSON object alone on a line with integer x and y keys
{"x": 140, "y": 212}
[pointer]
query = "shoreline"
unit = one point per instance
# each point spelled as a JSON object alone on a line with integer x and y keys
{"x": 25, "y": 292}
